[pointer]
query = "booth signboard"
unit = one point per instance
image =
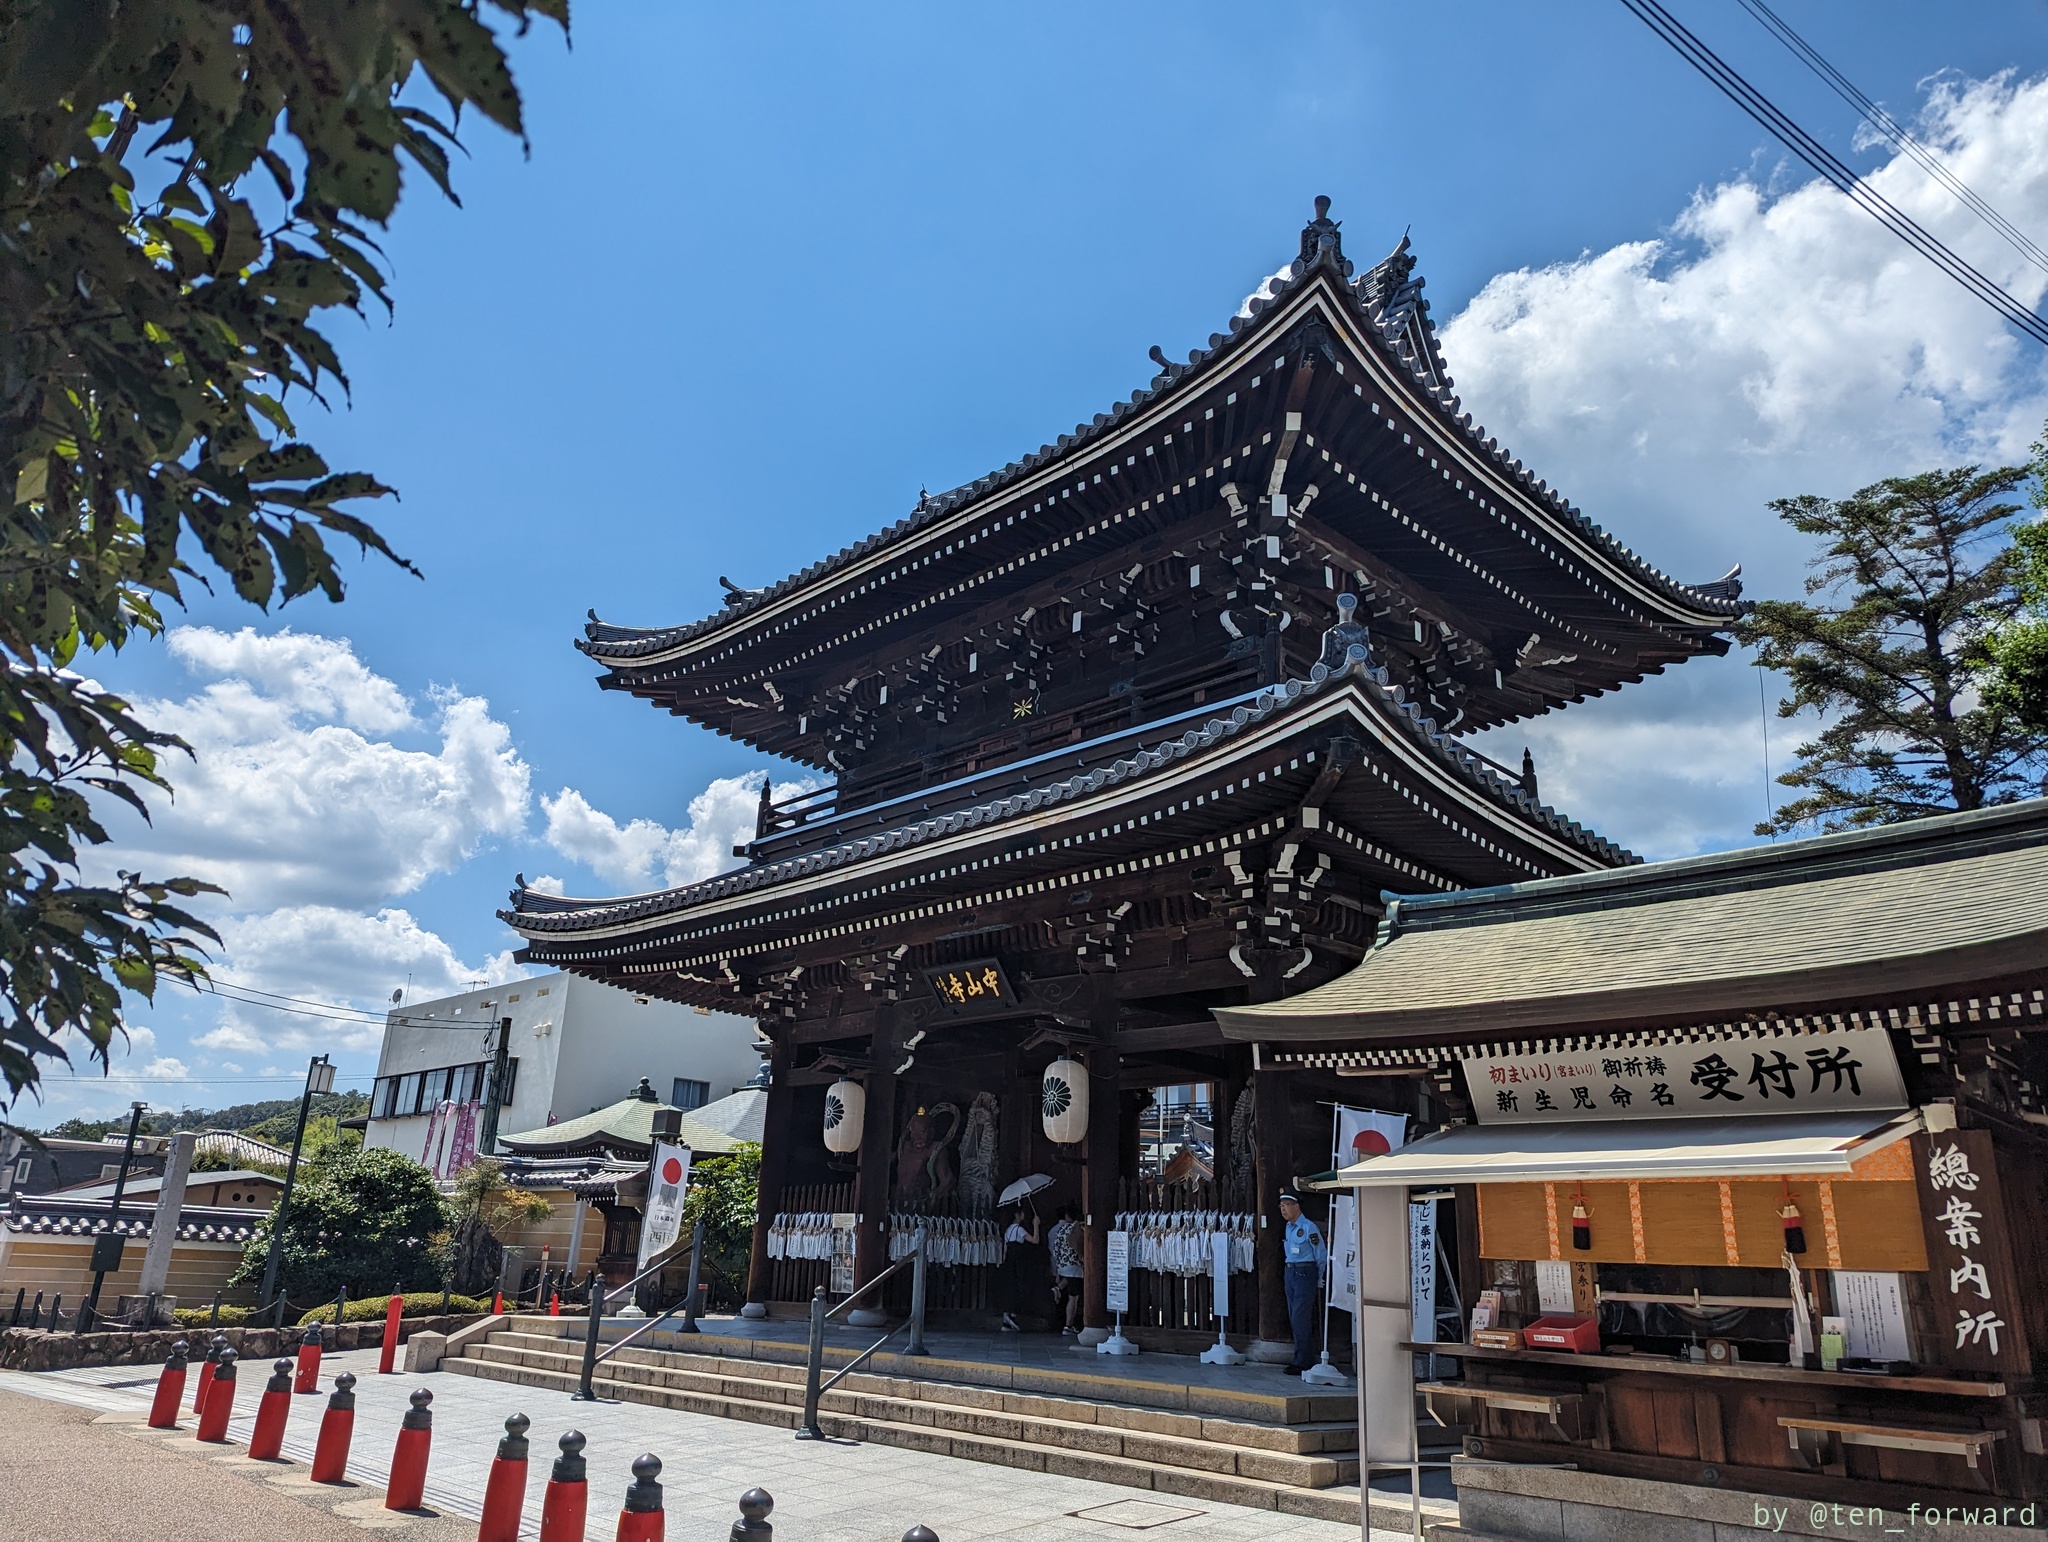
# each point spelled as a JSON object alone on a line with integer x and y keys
{"x": 1977, "y": 1306}
{"x": 1422, "y": 1269}
{"x": 1117, "y": 1260}
{"x": 1803, "y": 1073}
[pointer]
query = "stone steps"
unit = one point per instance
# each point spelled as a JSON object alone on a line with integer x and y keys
{"x": 1125, "y": 1471}
{"x": 1294, "y": 1468}
{"x": 723, "y": 1376}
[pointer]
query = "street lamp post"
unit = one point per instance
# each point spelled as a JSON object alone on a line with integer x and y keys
{"x": 319, "y": 1078}
{"x": 106, "y": 1248}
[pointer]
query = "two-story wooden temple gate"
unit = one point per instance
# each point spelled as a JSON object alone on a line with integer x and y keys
{"x": 1135, "y": 727}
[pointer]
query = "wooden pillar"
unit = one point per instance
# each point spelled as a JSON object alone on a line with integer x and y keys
{"x": 877, "y": 1150}
{"x": 1274, "y": 1164}
{"x": 775, "y": 1138}
{"x": 1105, "y": 1142}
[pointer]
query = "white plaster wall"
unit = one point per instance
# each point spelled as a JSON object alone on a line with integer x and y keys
{"x": 613, "y": 1040}
{"x": 580, "y": 1046}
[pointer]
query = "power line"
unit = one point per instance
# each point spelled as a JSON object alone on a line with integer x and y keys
{"x": 299, "y": 1006}
{"x": 1821, "y": 159}
{"x": 1890, "y": 128}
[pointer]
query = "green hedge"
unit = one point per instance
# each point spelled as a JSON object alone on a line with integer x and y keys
{"x": 202, "y": 1316}
{"x": 418, "y": 1303}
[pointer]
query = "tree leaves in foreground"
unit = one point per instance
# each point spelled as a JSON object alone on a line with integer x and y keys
{"x": 1894, "y": 651}
{"x": 184, "y": 186}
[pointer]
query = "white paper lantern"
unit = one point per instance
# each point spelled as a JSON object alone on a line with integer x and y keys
{"x": 1064, "y": 1101}
{"x": 846, "y": 1107}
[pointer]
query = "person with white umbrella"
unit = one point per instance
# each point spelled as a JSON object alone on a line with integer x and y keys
{"x": 1020, "y": 1248}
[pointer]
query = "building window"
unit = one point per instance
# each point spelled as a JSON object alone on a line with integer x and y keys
{"x": 688, "y": 1094}
{"x": 421, "y": 1092}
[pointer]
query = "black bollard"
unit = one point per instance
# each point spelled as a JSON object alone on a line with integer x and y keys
{"x": 753, "y": 1524}
{"x": 35, "y": 1315}
{"x": 19, "y": 1296}
{"x": 920, "y": 1533}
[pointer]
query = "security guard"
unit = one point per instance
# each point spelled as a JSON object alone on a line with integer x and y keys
{"x": 1301, "y": 1242}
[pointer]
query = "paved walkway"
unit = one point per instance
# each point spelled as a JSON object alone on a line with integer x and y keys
{"x": 824, "y": 1492}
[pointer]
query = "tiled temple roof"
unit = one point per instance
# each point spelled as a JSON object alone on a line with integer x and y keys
{"x": 43, "y": 1216}
{"x": 1388, "y": 298}
{"x": 1345, "y": 657}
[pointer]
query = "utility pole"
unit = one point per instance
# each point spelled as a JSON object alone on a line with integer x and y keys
{"x": 319, "y": 1078}
{"x": 494, "y": 1091}
{"x": 106, "y": 1248}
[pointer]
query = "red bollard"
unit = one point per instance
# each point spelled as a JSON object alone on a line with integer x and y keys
{"x": 505, "y": 1489}
{"x": 567, "y": 1499}
{"x": 498, "y": 1304}
{"x": 220, "y": 1401}
{"x": 170, "y": 1390}
{"x": 330, "y": 1456}
{"x": 554, "y": 1303}
{"x": 408, "y": 1484}
{"x": 387, "y": 1357}
{"x": 267, "y": 1440}
{"x": 642, "y": 1520}
{"x": 205, "y": 1378}
{"x": 309, "y": 1360}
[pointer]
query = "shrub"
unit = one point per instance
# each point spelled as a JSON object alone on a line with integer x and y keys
{"x": 418, "y": 1303}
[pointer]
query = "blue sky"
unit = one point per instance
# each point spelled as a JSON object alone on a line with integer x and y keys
{"x": 769, "y": 270}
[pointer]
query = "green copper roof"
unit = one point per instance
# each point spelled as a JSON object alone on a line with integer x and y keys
{"x": 626, "y": 1123}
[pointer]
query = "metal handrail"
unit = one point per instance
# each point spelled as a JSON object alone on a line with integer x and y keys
{"x": 814, "y": 1391}
{"x": 585, "y": 1392}
{"x": 900, "y": 1263}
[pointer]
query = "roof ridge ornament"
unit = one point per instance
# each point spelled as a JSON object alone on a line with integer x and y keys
{"x": 1322, "y": 240}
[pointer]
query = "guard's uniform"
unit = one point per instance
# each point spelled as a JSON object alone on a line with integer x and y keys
{"x": 1301, "y": 1242}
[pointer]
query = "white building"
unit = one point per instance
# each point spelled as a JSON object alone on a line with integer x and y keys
{"x": 575, "y": 1046}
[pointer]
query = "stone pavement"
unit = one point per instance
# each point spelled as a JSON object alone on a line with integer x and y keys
{"x": 824, "y": 1492}
{"x": 72, "y": 1476}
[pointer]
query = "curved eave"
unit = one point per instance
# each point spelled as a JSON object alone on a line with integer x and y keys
{"x": 1685, "y": 607}
{"x": 1437, "y": 759}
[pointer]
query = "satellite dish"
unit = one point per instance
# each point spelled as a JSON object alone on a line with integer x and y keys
{"x": 397, "y": 996}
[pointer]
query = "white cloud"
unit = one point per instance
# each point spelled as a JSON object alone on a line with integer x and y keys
{"x": 631, "y": 855}
{"x": 290, "y": 800}
{"x": 1772, "y": 345}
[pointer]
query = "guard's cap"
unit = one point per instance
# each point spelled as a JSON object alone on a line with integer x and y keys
{"x": 1289, "y": 1194}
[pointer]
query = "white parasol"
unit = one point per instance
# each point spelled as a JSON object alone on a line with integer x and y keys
{"x": 1025, "y": 1187}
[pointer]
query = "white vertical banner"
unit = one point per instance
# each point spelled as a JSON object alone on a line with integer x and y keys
{"x": 1344, "y": 1252}
{"x": 668, "y": 1179}
{"x": 1219, "y": 1270}
{"x": 1356, "y": 1134}
{"x": 1117, "y": 1263}
{"x": 1422, "y": 1269}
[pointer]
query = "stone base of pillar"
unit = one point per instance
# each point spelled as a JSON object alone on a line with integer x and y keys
{"x": 1090, "y": 1337}
{"x": 754, "y": 1310}
{"x": 1271, "y": 1352}
{"x": 867, "y": 1317}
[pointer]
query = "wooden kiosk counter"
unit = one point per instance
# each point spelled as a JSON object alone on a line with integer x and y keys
{"x": 1726, "y": 1219}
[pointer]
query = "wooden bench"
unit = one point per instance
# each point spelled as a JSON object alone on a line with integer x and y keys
{"x": 1812, "y": 1438}
{"x": 1566, "y": 1411}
